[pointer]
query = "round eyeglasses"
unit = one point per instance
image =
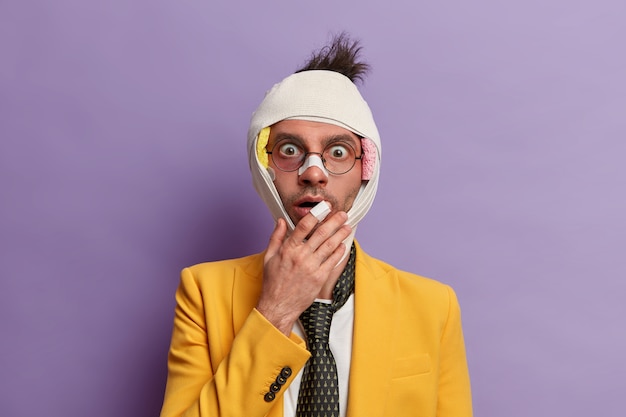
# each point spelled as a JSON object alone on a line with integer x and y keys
{"x": 338, "y": 157}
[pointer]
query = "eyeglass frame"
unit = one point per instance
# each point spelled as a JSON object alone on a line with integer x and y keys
{"x": 321, "y": 155}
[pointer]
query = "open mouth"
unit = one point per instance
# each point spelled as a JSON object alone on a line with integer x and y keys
{"x": 308, "y": 204}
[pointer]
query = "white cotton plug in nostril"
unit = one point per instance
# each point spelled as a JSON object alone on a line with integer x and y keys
{"x": 321, "y": 210}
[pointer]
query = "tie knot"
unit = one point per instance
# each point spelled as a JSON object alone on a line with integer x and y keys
{"x": 316, "y": 322}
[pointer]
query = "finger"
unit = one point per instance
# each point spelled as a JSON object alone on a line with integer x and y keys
{"x": 335, "y": 257}
{"x": 321, "y": 210}
{"x": 276, "y": 238}
{"x": 327, "y": 248}
{"x": 304, "y": 227}
{"x": 327, "y": 230}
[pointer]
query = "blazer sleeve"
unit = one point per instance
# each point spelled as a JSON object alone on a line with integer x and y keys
{"x": 454, "y": 399}
{"x": 214, "y": 372}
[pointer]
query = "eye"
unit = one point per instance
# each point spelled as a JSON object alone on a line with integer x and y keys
{"x": 338, "y": 152}
{"x": 289, "y": 150}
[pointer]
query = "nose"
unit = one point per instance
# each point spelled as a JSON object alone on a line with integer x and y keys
{"x": 313, "y": 172}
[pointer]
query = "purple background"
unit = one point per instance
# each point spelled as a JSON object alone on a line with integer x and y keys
{"x": 122, "y": 160}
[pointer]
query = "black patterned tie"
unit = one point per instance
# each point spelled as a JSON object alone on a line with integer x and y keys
{"x": 319, "y": 389}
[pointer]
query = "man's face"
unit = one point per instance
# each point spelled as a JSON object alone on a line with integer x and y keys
{"x": 299, "y": 193}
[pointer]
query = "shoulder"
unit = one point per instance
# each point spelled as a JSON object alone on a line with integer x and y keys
{"x": 409, "y": 285}
{"x": 376, "y": 267}
{"x": 226, "y": 264}
{"x": 409, "y": 278}
{"x": 212, "y": 286}
{"x": 223, "y": 271}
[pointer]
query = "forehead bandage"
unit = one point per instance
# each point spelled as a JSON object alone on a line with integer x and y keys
{"x": 318, "y": 96}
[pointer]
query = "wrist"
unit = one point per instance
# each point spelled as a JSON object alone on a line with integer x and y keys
{"x": 282, "y": 321}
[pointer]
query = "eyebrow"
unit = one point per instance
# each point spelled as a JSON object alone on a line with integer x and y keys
{"x": 325, "y": 142}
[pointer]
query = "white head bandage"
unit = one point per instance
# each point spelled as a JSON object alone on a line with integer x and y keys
{"x": 319, "y": 96}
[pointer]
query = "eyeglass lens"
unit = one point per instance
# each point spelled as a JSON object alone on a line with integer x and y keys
{"x": 338, "y": 157}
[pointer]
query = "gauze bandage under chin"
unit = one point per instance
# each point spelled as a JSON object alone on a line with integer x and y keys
{"x": 318, "y": 96}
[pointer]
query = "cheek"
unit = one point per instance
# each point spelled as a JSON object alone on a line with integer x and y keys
{"x": 351, "y": 194}
{"x": 281, "y": 179}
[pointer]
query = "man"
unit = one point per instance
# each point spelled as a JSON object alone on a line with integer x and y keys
{"x": 313, "y": 326}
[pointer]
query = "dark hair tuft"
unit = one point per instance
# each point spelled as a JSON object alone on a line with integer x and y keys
{"x": 342, "y": 56}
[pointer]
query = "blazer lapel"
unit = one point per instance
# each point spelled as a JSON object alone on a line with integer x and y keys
{"x": 375, "y": 312}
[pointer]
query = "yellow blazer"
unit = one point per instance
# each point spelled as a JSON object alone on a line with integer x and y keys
{"x": 408, "y": 354}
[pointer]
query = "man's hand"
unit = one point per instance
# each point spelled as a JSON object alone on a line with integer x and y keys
{"x": 296, "y": 269}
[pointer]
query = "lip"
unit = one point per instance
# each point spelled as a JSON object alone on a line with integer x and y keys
{"x": 303, "y": 211}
